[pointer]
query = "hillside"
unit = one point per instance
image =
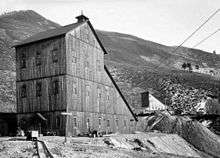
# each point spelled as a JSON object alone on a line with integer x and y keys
{"x": 136, "y": 64}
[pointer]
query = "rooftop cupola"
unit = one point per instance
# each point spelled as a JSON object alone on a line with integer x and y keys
{"x": 81, "y": 18}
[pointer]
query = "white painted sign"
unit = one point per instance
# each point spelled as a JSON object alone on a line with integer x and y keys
{"x": 66, "y": 113}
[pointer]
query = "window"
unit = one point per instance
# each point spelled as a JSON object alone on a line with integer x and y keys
{"x": 58, "y": 121}
{"x": 71, "y": 43}
{"x": 99, "y": 94}
{"x": 55, "y": 55}
{"x": 108, "y": 123}
{"x": 98, "y": 65}
{"x": 23, "y": 61}
{"x": 116, "y": 123}
{"x": 23, "y": 91}
{"x": 75, "y": 90}
{"x": 125, "y": 124}
{"x": 74, "y": 122}
{"x": 87, "y": 90}
{"x": 88, "y": 124}
{"x": 38, "y": 58}
{"x": 100, "y": 121}
{"x": 38, "y": 89}
{"x": 87, "y": 64}
{"x": 55, "y": 87}
{"x": 74, "y": 60}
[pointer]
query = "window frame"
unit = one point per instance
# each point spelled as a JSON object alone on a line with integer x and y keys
{"x": 55, "y": 87}
{"x": 38, "y": 60}
{"x": 23, "y": 63}
{"x": 24, "y": 91}
{"x": 38, "y": 89}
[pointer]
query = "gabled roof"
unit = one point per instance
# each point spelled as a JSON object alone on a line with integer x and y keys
{"x": 58, "y": 32}
{"x": 48, "y": 34}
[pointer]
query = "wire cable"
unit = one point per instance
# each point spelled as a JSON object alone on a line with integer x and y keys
{"x": 205, "y": 38}
{"x": 210, "y": 17}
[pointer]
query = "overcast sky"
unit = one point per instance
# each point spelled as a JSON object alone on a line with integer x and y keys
{"x": 167, "y": 22}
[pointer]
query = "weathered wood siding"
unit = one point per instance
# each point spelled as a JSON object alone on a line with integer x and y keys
{"x": 47, "y": 67}
{"x": 48, "y": 101}
{"x": 91, "y": 94}
{"x": 45, "y": 62}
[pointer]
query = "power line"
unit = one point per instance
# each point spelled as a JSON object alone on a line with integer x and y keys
{"x": 184, "y": 42}
{"x": 196, "y": 30}
{"x": 206, "y": 38}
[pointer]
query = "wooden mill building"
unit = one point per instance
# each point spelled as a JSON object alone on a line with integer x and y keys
{"x": 62, "y": 70}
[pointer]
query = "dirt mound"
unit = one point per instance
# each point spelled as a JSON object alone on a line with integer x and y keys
{"x": 192, "y": 131}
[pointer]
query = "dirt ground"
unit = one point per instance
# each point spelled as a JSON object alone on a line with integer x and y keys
{"x": 139, "y": 145}
{"x": 11, "y": 148}
{"x": 83, "y": 147}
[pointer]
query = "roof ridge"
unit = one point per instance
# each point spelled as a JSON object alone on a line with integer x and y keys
{"x": 48, "y": 34}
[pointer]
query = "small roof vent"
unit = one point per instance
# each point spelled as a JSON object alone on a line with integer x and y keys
{"x": 81, "y": 18}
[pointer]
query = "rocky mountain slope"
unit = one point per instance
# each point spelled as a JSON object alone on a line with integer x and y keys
{"x": 136, "y": 64}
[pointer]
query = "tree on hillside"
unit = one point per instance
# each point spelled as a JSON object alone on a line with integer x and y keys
{"x": 197, "y": 67}
{"x": 184, "y": 66}
{"x": 189, "y": 66}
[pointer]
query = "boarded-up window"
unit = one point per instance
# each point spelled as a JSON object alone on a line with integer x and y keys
{"x": 55, "y": 55}
{"x": 38, "y": 58}
{"x": 23, "y": 91}
{"x": 55, "y": 87}
{"x": 38, "y": 89}
{"x": 23, "y": 61}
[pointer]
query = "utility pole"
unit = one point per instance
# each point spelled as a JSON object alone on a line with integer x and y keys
{"x": 66, "y": 114}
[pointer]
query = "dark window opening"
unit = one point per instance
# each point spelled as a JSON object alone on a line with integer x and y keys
{"x": 75, "y": 90}
{"x": 38, "y": 58}
{"x": 74, "y": 122}
{"x": 23, "y": 61}
{"x": 55, "y": 87}
{"x": 125, "y": 123}
{"x": 108, "y": 123}
{"x": 38, "y": 89}
{"x": 99, "y": 94}
{"x": 100, "y": 121}
{"x": 58, "y": 121}
{"x": 24, "y": 91}
{"x": 55, "y": 55}
{"x": 116, "y": 122}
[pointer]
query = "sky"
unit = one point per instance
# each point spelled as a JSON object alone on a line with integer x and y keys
{"x": 167, "y": 22}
